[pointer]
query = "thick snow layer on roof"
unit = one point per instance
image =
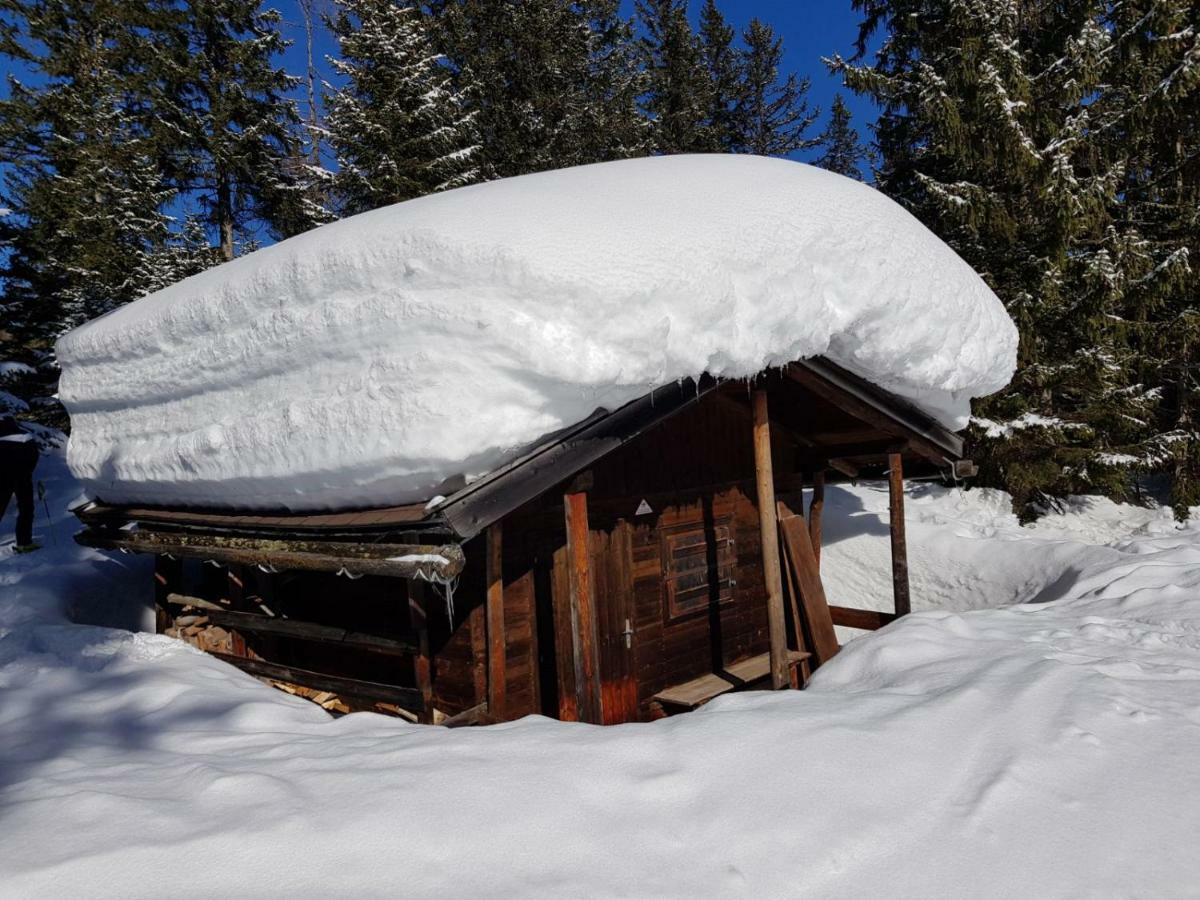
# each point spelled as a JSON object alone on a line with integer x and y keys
{"x": 374, "y": 359}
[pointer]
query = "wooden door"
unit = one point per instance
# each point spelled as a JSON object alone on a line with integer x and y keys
{"x": 612, "y": 563}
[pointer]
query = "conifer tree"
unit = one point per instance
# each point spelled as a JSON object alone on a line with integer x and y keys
{"x": 82, "y": 182}
{"x": 231, "y": 125}
{"x": 1149, "y": 126}
{"x": 988, "y": 134}
{"x": 679, "y": 99}
{"x": 841, "y": 150}
{"x": 552, "y": 83}
{"x": 772, "y": 113}
{"x": 723, "y": 63}
{"x": 399, "y": 127}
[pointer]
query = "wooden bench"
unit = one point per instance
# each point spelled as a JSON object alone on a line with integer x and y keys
{"x": 743, "y": 673}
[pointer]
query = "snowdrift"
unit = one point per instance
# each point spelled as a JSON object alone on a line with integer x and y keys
{"x": 1046, "y": 750}
{"x": 374, "y": 360}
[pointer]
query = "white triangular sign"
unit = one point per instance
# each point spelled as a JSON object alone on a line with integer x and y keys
{"x": 643, "y": 508}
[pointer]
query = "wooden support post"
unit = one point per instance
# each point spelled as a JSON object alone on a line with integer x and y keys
{"x": 496, "y": 643}
{"x": 235, "y": 593}
{"x": 564, "y": 642}
{"x": 583, "y": 613}
{"x": 769, "y": 529}
{"x": 815, "y": 508}
{"x": 903, "y": 604}
{"x": 422, "y": 664}
{"x": 168, "y": 578}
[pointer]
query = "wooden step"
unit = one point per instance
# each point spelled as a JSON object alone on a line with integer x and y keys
{"x": 700, "y": 690}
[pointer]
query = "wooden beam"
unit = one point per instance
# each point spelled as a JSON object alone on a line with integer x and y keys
{"x": 496, "y": 642}
{"x": 769, "y": 529}
{"x": 888, "y": 418}
{"x": 854, "y": 450}
{"x": 815, "y": 508}
{"x": 848, "y": 469}
{"x": 866, "y": 619}
{"x": 291, "y": 628}
{"x": 406, "y": 698}
{"x": 418, "y": 612}
{"x": 235, "y": 593}
{"x": 168, "y": 577}
{"x": 806, "y": 582}
{"x": 476, "y": 715}
{"x": 900, "y": 594}
{"x": 789, "y": 591}
{"x": 397, "y": 560}
{"x": 583, "y": 612}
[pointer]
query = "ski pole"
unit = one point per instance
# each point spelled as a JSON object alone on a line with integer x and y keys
{"x": 46, "y": 506}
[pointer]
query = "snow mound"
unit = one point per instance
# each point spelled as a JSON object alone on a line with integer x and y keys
{"x": 376, "y": 359}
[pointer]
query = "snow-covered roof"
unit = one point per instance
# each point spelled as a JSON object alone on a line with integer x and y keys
{"x": 368, "y": 361}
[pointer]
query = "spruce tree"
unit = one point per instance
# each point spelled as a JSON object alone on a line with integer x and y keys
{"x": 1148, "y": 125}
{"x": 680, "y": 98}
{"x": 841, "y": 150}
{"x": 82, "y": 178}
{"x": 399, "y": 127}
{"x": 988, "y": 134}
{"x": 552, "y": 83}
{"x": 230, "y": 124}
{"x": 723, "y": 62}
{"x": 772, "y": 113}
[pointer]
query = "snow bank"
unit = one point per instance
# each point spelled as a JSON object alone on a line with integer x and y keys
{"x": 1044, "y": 750}
{"x": 371, "y": 360}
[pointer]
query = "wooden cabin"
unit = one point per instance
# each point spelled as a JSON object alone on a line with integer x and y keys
{"x": 632, "y": 566}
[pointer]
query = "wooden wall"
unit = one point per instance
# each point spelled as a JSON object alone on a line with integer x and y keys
{"x": 674, "y": 544}
{"x": 695, "y": 475}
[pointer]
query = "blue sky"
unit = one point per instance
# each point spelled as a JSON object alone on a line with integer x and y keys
{"x": 810, "y": 29}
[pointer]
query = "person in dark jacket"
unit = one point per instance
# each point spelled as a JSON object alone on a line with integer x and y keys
{"x": 18, "y": 459}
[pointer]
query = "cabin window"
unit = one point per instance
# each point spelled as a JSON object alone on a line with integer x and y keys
{"x": 698, "y": 564}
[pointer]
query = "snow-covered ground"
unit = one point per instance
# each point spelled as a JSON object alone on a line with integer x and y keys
{"x": 1048, "y": 749}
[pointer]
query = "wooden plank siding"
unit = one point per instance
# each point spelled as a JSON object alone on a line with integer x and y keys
{"x": 674, "y": 509}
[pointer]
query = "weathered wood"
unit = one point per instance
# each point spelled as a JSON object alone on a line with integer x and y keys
{"x": 612, "y": 558}
{"x": 815, "y": 508}
{"x": 866, "y": 403}
{"x": 397, "y": 560}
{"x": 496, "y": 643}
{"x": 847, "y": 469}
{"x": 235, "y": 592}
{"x": 768, "y": 528}
{"x": 851, "y": 450}
{"x": 583, "y": 612}
{"x": 789, "y": 589}
{"x": 476, "y": 715}
{"x": 903, "y": 603}
{"x": 291, "y": 628}
{"x": 168, "y": 575}
{"x": 404, "y": 697}
{"x": 564, "y": 641}
{"x": 806, "y": 581}
{"x": 866, "y": 619}
{"x": 418, "y": 611}
{"x": 740, "y": 674}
